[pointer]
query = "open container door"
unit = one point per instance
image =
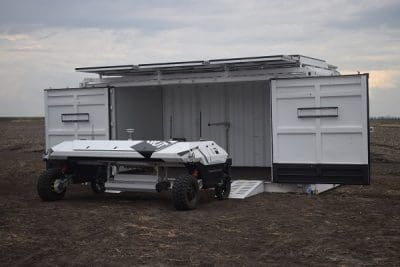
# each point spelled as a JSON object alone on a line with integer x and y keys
{"x": 76, "y": 113}
{"x": 320, "y": 130}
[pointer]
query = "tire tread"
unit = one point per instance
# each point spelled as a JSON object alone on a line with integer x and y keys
{"x": 43, "y": 185}
{"x": 181, "y": 185}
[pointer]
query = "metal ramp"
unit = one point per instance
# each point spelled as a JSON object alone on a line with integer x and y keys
{"x": 312, "y": 189}
{"x": 241, "y": 189}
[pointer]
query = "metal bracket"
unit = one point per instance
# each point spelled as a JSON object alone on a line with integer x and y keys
{"x": 224, "y": 123}
{"x": 75, "y": 117}
{"x": 318, "y": 112}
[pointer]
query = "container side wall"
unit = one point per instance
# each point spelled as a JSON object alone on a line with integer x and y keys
{"x": 249, "y": 115}
{"x": 181, "y": 112}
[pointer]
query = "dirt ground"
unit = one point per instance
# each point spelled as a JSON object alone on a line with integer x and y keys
{"x": 352, "y": 225}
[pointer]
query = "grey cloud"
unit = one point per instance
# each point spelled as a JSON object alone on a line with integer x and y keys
{"x": 18, "y": 16}
{"x": 155, "y": 15}
{"x": 384, "y": 16}
{"x": 384, "y": 102}
{"x": 42, "y": 41}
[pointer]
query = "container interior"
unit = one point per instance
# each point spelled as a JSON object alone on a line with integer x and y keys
{"x": 141, "y": 109}
{"x": 236, "y": 115}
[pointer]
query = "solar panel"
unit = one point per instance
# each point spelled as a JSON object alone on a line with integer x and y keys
{"x": 200, "y": 66}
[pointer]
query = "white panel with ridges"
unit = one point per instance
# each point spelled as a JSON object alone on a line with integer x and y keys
{"x": 241, "y": 189}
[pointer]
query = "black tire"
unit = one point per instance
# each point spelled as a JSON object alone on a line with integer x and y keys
{"x": 98, "y": 183}
{"x": 45, "y": 186}
{"x": 98, "y": 186}
{"x": 185, "y": 192}
{"x": 223, "y": 189}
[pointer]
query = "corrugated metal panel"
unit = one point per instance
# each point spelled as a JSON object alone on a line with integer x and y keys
{"x": 249, "y": 116}
{"x": 181, "y": 112}
{"x": 213, "y": 109}
{"x": 244, "y": 105}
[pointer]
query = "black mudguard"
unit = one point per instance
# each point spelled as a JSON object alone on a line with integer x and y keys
{"x": 211, "y": 175}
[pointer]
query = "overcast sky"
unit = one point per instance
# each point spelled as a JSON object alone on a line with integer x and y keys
{"x": 41, "y": 42}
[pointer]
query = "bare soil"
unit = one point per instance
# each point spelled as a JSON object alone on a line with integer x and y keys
{"x": 352, "y": 225}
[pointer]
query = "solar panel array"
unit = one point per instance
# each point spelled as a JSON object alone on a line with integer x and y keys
{"x": 201, "y": 66}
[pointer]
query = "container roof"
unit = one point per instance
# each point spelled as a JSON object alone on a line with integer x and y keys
{"x": 213, "y": 65}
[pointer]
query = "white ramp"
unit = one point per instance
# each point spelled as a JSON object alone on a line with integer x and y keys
{"x": 312, "y": 189}
{"x": 241, "y": 189}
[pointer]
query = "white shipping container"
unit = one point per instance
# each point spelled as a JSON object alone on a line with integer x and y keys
{"x": 290, "y": 119}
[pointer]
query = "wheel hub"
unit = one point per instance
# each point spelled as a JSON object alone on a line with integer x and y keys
{"x": 58, "y": 186}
